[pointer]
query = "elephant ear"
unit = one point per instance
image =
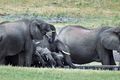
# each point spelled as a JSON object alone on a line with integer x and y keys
{"x": 110, "y": 39}
{"x": 36, "y": 30}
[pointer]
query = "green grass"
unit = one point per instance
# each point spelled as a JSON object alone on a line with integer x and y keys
{"x": 18, "y": 73}
{"x": 90, "y": 13}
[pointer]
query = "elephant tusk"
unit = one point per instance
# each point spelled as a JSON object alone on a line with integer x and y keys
{"x": 51, "y": 32}
{"x": 37, "y": 42}
{"x": 66, "y": 53}
{"x": 47, "y": 34}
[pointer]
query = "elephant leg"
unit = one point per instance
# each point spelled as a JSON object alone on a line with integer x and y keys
{"x": 21, "y": 59}
{"x": 105, "y": 59}
{"x": 2, "y": 57}
{"x": 28, "y": 53}
{"x": 112, "y": 61}
{"x": 104, "y": 56}
{"x": 28, "y": 60}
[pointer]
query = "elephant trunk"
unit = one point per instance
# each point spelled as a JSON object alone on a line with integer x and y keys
{"x": 53, "y": 36}
{"x": 53, "y": 33}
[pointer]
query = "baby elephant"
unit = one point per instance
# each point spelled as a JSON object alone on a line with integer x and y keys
{"x": 42, "y": 56}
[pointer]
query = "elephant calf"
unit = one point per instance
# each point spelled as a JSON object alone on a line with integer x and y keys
{"x": 87, "y": 45}
{"x": 43, "y": 56}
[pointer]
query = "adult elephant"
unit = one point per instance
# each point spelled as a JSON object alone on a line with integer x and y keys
{"x": 87, "y": 45}
{"x": 16, "y": 39}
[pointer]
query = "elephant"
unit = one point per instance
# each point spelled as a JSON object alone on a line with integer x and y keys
{"x": 43, "y": 54}
{"x": 87, "y": 45}
{"x": 16, "y": 39}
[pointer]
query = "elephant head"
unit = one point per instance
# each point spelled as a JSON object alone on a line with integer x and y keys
{"x": 110, "y": 39}
{"x": 40, "y": 28}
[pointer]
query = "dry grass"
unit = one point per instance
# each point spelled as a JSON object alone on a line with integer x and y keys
{"x": 90, "y": 12}
{"x": 73, "y": 8}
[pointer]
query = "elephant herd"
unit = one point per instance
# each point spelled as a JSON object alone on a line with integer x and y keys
{"x": 35, "y": 43}
{"x": 31, "y": 43}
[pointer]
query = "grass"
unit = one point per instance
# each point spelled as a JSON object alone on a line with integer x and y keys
{"x": 18, "y": 73}
{"x": 90, "y": 13}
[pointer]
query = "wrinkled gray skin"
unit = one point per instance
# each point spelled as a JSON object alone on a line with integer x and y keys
{"x": 87, "y": 45}
{"x": 37, "y": 59}
{"x": 16, "y": 39}
{"x": 44, "y": 54}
